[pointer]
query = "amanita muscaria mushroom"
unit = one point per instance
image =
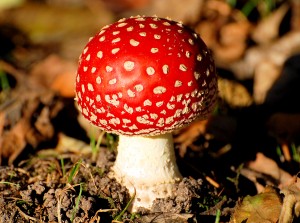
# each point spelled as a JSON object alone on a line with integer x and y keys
{"x": 142, "y": 78}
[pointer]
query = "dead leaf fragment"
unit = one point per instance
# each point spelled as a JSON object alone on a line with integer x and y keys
{"x": 189, "y": 134}
{"x": 277, "y": 52}
{"x": 263, "y": 208}
{"x": 232, "y": 44}
{"x": 267, "y": 166}
{"x": 13, "y": 141}
{"x": 268, "y": 28}
{"x": 265, "y": 74}
{"x": 295, "y": 21}
{"x": 186, "y": 11}
{"x": 57, "y": 74}
{"x": 291, "y": 202}
{"x": 68, "y": 144}
{"x": 235, "y": 94}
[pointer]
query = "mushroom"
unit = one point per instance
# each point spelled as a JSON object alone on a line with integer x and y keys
{"x": 142, "y": 78}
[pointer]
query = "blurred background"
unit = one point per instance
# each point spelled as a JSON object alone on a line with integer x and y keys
{"x": 255, "y": 44}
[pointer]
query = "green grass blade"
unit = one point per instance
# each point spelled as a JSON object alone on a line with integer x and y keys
{"x": 77, "y": 201}
{"x": 74, "y": 170}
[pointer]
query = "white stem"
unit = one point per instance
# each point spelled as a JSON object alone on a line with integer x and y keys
{"x": 147, "y": 167}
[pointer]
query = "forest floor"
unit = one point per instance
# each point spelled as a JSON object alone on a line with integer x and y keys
{"x": 240, "y": 165}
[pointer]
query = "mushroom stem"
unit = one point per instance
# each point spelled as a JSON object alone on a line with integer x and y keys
{"x": 147, "y": 167}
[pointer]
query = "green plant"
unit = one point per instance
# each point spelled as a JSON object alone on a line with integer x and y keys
{"x": 295, "y": 153}
{"x": 264, "y": 7}
{"x": 51, "y": 167}
{"x": 77, "y": 202}
{"x": 4, "y": 83}
{"x": 218, "y": 215}
{"x": 279, "y": 153}
{"x": 95, "y": 144}
{"x": 4, "y": 86}
{"x": 119, "y": 216}
{"x": 111, "y": 141}
{"x": 134, "y": 216}
{"x": 63, "y": 169}
{"x": 10, "y": 184}
{"x": 11, "y": 175}
{"x": 109, "y": 200}
{"x": 207, "y": 202}
{"x": 235, "y": 180}
{"x": 74, "y": 171}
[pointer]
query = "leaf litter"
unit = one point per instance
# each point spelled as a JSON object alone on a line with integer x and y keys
{"x": 240, "y": 165}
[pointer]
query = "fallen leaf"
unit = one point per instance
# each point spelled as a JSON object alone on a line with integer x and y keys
{"x": 291, "y": 202}
{"x": 56, "y": 73}
{"x": 13, "y": 141}
{"x": 235, "y": 94}
{"x": 68, "y": 144}
{"x": 276, "y": 52}
{"x": 267, "y": 166}
{"x": 268, "y": 28}
{"x": 186, "y": 11}
{"x": 189, "y": 134}
{"x": 295, "y": 20}
{"x": 233, "y": 41}
{"x": 263, "y": 208}
{"x": 265, "y": 74}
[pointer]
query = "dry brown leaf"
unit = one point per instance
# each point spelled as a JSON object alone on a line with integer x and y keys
{"x": 235, "y": 33}
{"x": 265, "y": 74}
{"x": 188, "y": 135}
{"x": 264, "y": 63}
{"x": 268, "y": 28}
{"x": 235, "y": 94}
{"x": 228, "y": 54}
{"x": 295, "y": 21}
{"x": 64, "y": 85}
{"x": 267, "y": 166}
{"x": 208, "y": 32}
{"x": 224, "y": 30}
{"x": 269, "y": 206}
{"x": 56, "y": 73}
{"x": 13, "y": 141}
{"x": 221, "y": 7}
{"x": 214, "y": 15}
{"x": 291, "y": 202}
{"x": 67, "y": 145}
{"x": 263, "y": 208}
{"x": 28, "y": 114}
{"x": 233, "y": 41}
{"x": 186, "y": 11}
{"x": 277, "y": 53}
{"x": 253, "y": 176}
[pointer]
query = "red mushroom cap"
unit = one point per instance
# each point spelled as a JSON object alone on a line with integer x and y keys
{"x": 145, "y": 76}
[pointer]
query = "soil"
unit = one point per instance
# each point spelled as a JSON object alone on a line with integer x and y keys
{"x": 41, "y": 190}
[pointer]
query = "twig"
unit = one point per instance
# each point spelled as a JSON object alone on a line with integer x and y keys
{"x": 286, "y": 152}
{"x": 27, "y": 217}
{"x": 100, "y": 211}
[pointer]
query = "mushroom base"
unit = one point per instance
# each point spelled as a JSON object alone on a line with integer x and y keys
{"x": 147, "y": 167}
